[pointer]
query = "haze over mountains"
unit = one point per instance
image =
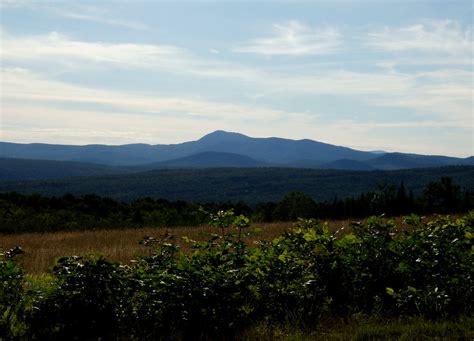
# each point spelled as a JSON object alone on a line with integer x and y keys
{"x": 217, "y": 149}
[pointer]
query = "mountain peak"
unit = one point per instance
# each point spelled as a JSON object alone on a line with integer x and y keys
{"x": 221, "y": 135}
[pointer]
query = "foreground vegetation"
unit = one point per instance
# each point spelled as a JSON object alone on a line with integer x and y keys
{"x": 226, "y": 288}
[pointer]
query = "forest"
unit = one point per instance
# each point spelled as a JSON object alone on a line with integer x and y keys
{"x": 250, "y": 185}
{"x": 36, "y": 213}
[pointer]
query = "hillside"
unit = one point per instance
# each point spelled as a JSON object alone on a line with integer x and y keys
{"x": 24, "y": 169}
{"x": 207, "y": 160}
{"x": 347, "y": 165}
{"x": 392, "y": 161}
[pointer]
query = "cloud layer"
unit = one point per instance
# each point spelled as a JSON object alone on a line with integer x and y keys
{"x": 429, "y": 36}
{"x": 294, "y": 39}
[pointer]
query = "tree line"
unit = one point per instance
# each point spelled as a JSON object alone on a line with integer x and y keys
{"x": 36, "y": 213}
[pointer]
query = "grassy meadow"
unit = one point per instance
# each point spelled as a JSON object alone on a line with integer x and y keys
{"x": 41, "y": 249}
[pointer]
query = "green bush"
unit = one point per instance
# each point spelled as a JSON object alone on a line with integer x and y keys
{"x": 89, "y": 300}
{"x": 11, "y": 294}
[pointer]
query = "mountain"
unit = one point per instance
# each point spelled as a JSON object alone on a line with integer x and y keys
{"x": 27, "y": 169}
{"x": 271, "y": 150}
{"x": 226, "y": 149}
{"x": 469, "y": 161}
{"x": 392, "y": 161}
{"x": 207, "y": 160}
{"x": 251, "y": 185}
{"x": 24, "y": 169}
{"x": 278, "y": 150}
{"x": 130, "y": 154}
{"x": 379, "y": 152}
{"x": 348, "y": 165}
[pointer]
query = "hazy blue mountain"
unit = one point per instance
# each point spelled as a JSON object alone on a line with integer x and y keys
{"x": 130, "y": 154}
{"x": 306, "y": 164}
{"x": 24, "y": 169}
{"x": 468, "y": 161}
{"x": 207, "y": 160}
{"x": 348, "y": 165}
{"x": 391, "y": 161}
{"x": 258, "y": 151}
{"x": 27, "y": 169}
{"x": 273, "y": 150}
{"x": 278, "y": 150}
{"x": 394, "y": 161}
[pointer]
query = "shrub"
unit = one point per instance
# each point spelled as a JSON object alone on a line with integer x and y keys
{"x": 11, "y": 294}
{"x": 89, "y": 300}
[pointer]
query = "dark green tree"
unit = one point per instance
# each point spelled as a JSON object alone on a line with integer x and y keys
{"x": 295, "y": 205}
{"x": 442, "y": 196}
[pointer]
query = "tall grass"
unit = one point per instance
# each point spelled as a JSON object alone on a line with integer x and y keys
{"x": 367, "y": 328}
{"x": 41, "y": 249}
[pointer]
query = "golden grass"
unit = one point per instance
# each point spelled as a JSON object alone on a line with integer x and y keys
{"x": 41, "y": 249}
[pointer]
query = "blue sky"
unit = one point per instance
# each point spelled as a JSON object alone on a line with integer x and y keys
{"x": 392, "y": 75}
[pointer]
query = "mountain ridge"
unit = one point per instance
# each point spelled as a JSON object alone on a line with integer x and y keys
{"x": 209, "y": 151}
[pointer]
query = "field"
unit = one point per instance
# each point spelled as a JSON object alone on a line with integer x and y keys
{"x": 41, "y": 249}
{"x": 119, "y": 245}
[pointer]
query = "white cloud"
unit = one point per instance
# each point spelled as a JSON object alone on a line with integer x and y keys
{"x": 27, "y": 122}
{"x": 343, "y": 82}
{"x": 22, "y": 85}
{"x": 76, "y": 11}
{"x": 13, "y": 3}
{"x": 98, "y": 15}
{"x": 444, "y": 36}
{"x": 60, "y": 50}
{"x": 294, "y": 39}
{"x": 57, "y": 49}
{"x": 54, "y": 46}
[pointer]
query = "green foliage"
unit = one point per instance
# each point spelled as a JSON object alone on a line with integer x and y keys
{"x": 442, "y": 196}
{"x": 11, "y": 294}
{"x": 436, "y": 263}
{"x": 224, "y": 286}
{"x": 295, "y": 205}
{"x": 87, "y": 301}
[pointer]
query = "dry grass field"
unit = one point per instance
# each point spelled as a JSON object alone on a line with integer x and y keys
{"x": 41, "y": 249}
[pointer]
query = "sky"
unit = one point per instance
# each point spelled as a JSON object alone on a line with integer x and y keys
{"x": 370, "y": 75}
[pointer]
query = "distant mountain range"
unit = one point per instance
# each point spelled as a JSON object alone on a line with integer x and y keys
{"x": 217, "y": 149}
